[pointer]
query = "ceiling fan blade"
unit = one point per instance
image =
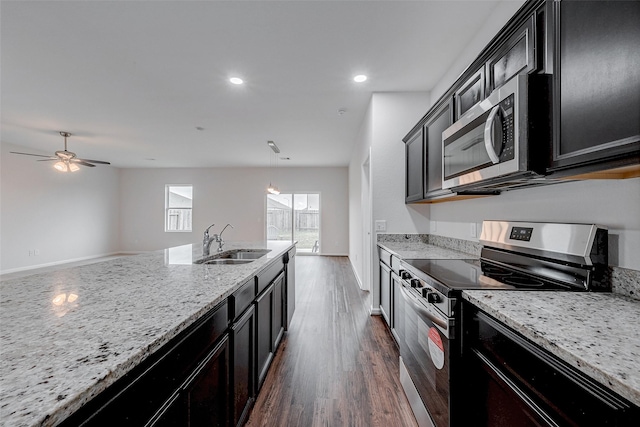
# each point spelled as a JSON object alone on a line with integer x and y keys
{"x": 100, "y": 162}
{"x": 82, "y": 162}
{"x": 29, "y": 154}
{"x": 48, "y": 160}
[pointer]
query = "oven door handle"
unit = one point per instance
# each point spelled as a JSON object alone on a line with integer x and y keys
{"x": 438, "y": 321}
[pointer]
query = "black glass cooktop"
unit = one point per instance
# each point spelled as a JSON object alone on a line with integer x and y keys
{"x": 456, "y": 275}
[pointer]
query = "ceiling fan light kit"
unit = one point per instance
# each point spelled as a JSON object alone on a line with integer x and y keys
{"x": 66, "y": 160}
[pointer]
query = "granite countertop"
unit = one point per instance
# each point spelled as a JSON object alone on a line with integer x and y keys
{"x": 66, "y": 335}
{"x": 419, "y": 250}
{"x": 596, "y": 333}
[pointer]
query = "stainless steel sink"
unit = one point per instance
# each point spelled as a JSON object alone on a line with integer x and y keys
{"x": 234, "y": 256}
{"x": 227, "y": 261}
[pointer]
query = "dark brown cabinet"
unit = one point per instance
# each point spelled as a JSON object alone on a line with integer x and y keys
{"x": 204, "y": 398}
{"x": 278, "y": 321}
{"x": 517, "y": 55}
{"x": 439, "y": 119}
{"x": 243, "y": 337}
{"x": 264, "y": 314}
{"x": 414, "y": 165}
{"x": 596, "y": 85}
{"x": 470, "y": 93}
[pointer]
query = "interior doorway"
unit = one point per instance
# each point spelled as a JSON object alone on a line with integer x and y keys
{"x": 295, "y": 216}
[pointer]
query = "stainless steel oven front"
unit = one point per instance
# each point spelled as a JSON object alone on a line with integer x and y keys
{"x": 424, "y": 336}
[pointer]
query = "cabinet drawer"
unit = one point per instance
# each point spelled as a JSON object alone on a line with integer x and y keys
{"x": 266, "y": 277}
{"x": 242, "y": 298}
{"x": 385, "y": 256}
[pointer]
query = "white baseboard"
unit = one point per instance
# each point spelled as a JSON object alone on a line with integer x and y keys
{"x": 375, "y": 312}
{"x": 317, "y": 254}
{"x": 355, "y": 273}
{"x": 66, "y": 261}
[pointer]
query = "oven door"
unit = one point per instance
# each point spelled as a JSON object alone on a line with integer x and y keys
{"x": 425, "y": 351}
{"x": 483, "y": 143}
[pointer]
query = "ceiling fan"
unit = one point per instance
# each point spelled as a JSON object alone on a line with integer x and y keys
{"x": 66, "y": 160}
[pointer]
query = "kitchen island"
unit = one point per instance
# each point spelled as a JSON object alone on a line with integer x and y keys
{"x": 67, "y": 335}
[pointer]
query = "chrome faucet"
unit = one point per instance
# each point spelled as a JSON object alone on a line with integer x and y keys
{"x": 218, "y": 237}
{"x": 206, "y": 241}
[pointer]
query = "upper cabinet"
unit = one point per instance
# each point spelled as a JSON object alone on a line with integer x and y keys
{"x": 596, "y": 85}
{"x": 414, "y": 165}
{"x": 438, "y": 119}
{"x": 591, "y": 50}
{"x": 516, "y": 56}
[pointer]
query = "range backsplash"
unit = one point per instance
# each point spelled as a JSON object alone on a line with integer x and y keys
{"x": 624, "y": 281}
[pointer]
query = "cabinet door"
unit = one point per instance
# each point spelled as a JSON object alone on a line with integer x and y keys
{"x": 290, "y": 289}
{"x": 470, "y": 93}
{"x": 264, "y": 341}
{"x": 516, "y": 56}
{"x": 439, "y": 120}
{"x": 278, "y": 320}
{"x": 385, "y": 292}
{"x": 244, "y": 359}
{"x": 414, "y": 166}
{"x": 596, "y": 81}
{"x": 397, "y": 310}
{"x": 204, "y": 398}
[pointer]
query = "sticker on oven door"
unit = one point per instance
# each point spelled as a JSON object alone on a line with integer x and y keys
{"x": 436, "y": 349}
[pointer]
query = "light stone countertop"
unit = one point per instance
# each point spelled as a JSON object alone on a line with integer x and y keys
{"x": 419, "y": 250}
{"x": 597, "y": 333}
{"x": 68, "y": 334}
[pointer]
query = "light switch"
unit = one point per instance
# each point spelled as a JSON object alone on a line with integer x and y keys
{"x": 473, "y": 230}
{"x": 381, "y": 225}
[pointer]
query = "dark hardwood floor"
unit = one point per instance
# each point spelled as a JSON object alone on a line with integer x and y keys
{"x": 337, "y": 365}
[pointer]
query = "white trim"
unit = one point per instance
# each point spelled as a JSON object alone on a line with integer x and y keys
{"x": 317, "y": 254}
{"x": 355, "y": 273}
{"x": 66, "y": 261}
{"x": 375, "y": 312}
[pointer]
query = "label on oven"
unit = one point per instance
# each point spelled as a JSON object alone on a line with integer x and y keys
{"x": 436, "y": 349}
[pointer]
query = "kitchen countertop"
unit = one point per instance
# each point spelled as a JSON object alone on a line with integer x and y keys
{"x": 597, "y": 333}
{"x": 67, "y": 335}
{"x": 418, "y": 250}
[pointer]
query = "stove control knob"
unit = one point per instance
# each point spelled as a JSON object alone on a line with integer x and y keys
{"x": 433, "y": 298}
{"x": 415, "y": 283}
{"x": 405, "y": 275}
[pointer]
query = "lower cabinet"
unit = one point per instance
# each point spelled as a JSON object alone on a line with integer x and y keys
{"x": 243, "y": 334}
{"x": 204, "y": 398}
{"x": 385, "y": 292}
{"x": 270, "y": 325}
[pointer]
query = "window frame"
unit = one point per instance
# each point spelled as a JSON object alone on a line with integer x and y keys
{"x": 167, "y": 189}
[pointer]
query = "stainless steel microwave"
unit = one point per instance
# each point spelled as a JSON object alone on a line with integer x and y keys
{"x": 502, "y": 142}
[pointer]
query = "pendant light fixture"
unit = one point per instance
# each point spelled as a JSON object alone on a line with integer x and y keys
{"x": 272, "y": 189}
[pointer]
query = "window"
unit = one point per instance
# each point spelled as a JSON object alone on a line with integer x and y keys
{"x": 178, "y": 204}
{"x": 295, "y": 217}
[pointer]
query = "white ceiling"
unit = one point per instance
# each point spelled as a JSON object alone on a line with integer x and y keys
{"x": 133, "y": 79}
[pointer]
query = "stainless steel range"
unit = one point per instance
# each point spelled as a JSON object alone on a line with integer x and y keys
{"x": 515, "y": 256}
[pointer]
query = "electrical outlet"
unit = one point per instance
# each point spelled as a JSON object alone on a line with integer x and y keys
{"x": 433, "y": 226}
{"x": 30, "y": 252}
{"x": 36, "y": 252}
{"x": 473, "y": 229}
{"x": 381, "y": 225}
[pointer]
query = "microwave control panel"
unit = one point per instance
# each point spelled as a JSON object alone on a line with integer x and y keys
{"x": 508, "y": 129}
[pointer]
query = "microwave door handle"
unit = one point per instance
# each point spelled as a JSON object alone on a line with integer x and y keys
{"x": 488, "y": 135}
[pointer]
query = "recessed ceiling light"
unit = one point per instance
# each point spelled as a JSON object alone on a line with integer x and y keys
{"x": 236, "y": 80}
{"x": 360, "y": 78}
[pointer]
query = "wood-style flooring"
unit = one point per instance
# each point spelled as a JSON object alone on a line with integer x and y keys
{"x": 337, "y": 365}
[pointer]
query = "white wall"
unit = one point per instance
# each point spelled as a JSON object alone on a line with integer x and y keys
{"x": 389, "y": 118}
{"x": 228, "y": 195}
{"x": 65, "y": 216}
